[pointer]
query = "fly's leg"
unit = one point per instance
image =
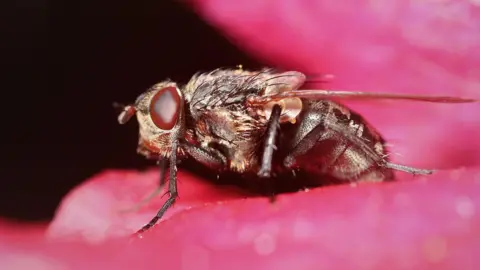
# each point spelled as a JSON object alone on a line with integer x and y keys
{"x": 210, "y": 157}
{"x": 313, "y": 126}
{"x": 381, "y": 162}
{"x": 172, "y": 190}
{"x": 311, "y": 138}
{"x": 162, "y": 163}
{"x": 269, "y": 147}
{"x": 407, "y": 169}
{"x": 305, "y": 144}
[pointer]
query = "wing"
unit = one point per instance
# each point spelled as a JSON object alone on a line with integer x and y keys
{"x": 344, "y": 95}
{"x": 225, "y": 87}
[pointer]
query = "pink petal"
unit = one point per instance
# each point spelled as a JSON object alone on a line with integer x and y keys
{"x": 422, "y": 223}
{"x": 428, "y": 47}
{"x": 95, "y": 210}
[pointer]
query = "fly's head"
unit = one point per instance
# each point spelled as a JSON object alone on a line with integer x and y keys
{"x": 160, "y": 115}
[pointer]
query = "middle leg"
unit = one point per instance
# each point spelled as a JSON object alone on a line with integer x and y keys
{"x": 270, "y": 147}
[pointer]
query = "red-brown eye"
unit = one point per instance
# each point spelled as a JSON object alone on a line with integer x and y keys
{"x": 165, "y": 108}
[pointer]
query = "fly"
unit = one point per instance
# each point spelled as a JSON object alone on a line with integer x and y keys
{"x": 230, "y": 119}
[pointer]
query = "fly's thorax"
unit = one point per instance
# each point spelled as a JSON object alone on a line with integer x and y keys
{"x": 245, "y": 157}
{"x": 218, "y": 103}
{"x": 235, "y": 133}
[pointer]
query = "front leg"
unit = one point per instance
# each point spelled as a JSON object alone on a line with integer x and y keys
{"x": 172, "y": 190}
{"x": 211, "y": 158}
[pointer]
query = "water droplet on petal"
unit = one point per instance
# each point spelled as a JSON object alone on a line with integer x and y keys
{"x": 264, "y": 244}
{"x": 465, "y": 207}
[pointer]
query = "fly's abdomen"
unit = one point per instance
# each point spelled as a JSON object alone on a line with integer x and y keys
{"x": 332, "y": 140}
{"x": 341, "y": 159}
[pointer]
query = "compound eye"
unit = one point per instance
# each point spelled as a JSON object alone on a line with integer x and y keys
{"x": 165, "y": 108}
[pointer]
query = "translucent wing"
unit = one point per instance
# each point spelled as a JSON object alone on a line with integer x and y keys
{"x": 344, "y": 95}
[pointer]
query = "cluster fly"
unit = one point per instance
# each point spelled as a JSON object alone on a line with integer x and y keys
{"x": 229, "y": 119}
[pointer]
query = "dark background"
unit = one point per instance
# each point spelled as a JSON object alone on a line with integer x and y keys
{"x": 65, "y": 66}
